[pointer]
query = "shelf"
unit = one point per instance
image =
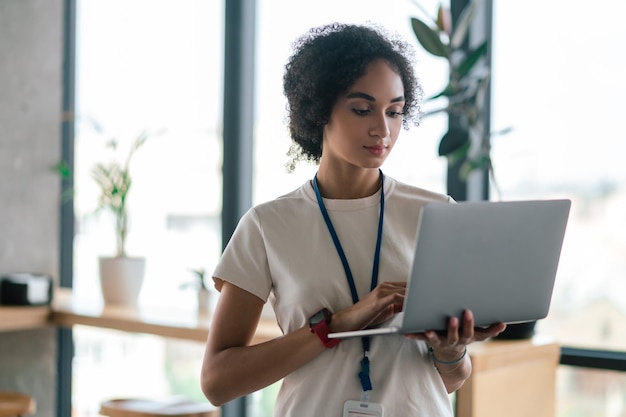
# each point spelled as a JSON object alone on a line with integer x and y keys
{"x": 23, "y": 317}
{"x": 165, "y": 321}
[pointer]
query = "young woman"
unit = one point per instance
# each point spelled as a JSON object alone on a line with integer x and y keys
{"x": 334, "y": 254}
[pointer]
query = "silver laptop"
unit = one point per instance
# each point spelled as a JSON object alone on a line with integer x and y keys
{"x": 498, "y": 259}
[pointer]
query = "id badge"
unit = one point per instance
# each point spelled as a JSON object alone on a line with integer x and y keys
{"x": 353, "y": 408}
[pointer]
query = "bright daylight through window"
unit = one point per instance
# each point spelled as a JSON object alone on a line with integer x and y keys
{"x": 153, "y": 66}
{"x": 559, "y": 83}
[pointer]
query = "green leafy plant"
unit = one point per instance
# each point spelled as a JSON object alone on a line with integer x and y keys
{"x": 466, "y": 90}
{"x": 199, "y": 282}
{"x": 114, "y": 181}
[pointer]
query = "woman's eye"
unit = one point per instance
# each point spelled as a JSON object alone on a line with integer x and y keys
{"x": 361, "y": 112}
{"x": 395, "y": 113}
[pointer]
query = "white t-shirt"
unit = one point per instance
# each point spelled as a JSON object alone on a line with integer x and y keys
{"x": 282, "y": 251}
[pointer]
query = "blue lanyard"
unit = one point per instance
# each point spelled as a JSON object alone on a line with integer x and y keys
{"x": 364, "y": 375}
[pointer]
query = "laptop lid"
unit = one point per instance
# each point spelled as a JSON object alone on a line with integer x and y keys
{"x": 498, "y": 259}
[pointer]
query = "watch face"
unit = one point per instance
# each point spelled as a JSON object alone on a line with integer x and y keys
{"x": 319, "y": 317}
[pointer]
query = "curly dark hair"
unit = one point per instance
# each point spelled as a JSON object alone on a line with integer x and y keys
{"x": 326, "y": 61}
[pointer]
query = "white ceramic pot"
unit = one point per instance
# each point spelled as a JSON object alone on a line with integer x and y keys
{"x": 121, "y": 279}
{"x": 204, "y": 300}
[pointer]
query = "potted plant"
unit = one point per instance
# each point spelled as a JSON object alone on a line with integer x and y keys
{"x": 199, "y": 284}
{"x": 466, "y": 92}
{"x": 121, "y": 276}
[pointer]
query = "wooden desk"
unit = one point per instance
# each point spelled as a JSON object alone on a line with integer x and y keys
{"x": 172, "y": 322}
{"x": 511, "y": 378}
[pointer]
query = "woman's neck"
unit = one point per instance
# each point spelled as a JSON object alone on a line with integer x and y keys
{"x": 358, "y": 183}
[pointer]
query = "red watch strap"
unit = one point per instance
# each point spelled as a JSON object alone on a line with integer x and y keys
{"x": 321, "y": 330}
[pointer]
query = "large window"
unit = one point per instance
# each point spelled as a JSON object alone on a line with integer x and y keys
{"x": 152, "y": 66}
{"x": 155, "y": 66}
{"x": 559, "y": 83}
{"x": 562, "y": 92}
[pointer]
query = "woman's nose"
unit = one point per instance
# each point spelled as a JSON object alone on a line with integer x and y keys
{"x": 380, "y": 126}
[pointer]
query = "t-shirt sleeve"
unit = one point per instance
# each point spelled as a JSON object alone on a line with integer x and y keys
{"x": 244, "y": 261}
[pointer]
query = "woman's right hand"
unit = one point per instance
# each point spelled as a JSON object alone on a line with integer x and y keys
{"x": 378, "y": 306}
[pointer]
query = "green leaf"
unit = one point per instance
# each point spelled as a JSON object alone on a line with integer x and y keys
{"x": 465, "y": 169}
{"x": 482, "y": 162}
{"x": 448, "y": 91}
{"x": 63, "y": 169}
{"x": 435, "y": 111}
{"x": 501, "y": 132}
{"x": 429, "y": 38}
{"x": 462, "y": 26}
{"x": 466, "y": 66}
{"x": 460, "y": 154}
{"x": 452, "y": 141}
{"x": 444, "y": 19}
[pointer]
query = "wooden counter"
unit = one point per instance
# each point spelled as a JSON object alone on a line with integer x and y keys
{"x": 165, "y": 321}
{"x": 514, "y": 378}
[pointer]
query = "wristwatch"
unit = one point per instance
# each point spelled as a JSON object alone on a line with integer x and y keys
{"x": 318, "y": 324}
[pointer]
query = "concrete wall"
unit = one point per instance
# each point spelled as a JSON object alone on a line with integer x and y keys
{"x": 31, "y": 59}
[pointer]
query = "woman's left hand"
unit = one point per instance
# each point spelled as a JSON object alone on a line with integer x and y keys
{"x": 450, "y": 346}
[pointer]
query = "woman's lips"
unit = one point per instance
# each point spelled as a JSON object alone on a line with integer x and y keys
{"x": 376, "y": 150}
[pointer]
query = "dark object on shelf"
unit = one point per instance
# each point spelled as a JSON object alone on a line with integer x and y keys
{"x": 518, "y": 331}
{"x": 25, "y": 289}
